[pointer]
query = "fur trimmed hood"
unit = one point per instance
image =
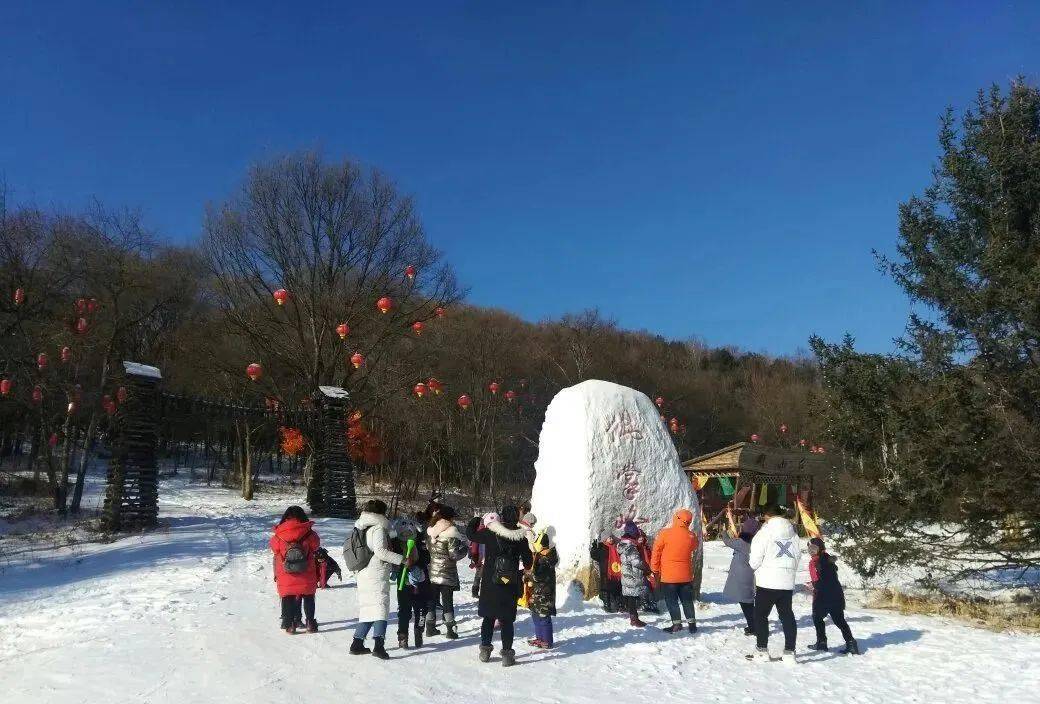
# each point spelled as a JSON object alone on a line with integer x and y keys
{"x": 443, "y": 530}
{"x": 514, "y": 534}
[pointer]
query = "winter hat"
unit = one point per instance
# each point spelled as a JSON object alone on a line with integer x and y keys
{"x": 750, "y": 526}
{"x": 489, "y": 518}
{"x": 630, "y": 530}
{"x": 818, "y": 542}
{"x": 684, "y": 516}
{"x": 529, "y": 520}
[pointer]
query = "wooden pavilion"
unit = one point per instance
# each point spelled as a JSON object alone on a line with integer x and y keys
{"x": 751, "y": 475}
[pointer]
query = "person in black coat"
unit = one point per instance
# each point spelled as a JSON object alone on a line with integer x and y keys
{"x": 505, "y": 549}
{"x": 828, "y": 598}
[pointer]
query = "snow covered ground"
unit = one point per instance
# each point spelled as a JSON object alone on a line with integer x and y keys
{"x": 189, "y": 613}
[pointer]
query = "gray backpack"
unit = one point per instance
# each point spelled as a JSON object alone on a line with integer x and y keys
{"x": 356, "y": 553}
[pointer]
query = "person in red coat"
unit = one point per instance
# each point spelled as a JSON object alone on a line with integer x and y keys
{"x": 295, "y": 570}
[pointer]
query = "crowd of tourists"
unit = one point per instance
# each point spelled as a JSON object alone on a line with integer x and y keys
{"x": 414, "y": 562}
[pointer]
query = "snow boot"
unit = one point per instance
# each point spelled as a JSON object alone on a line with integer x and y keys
{"x": 291, "y": 630}
{"x": 819, "y": 645}
{"x": 789, "y": 658}
{"x": 449, "y": 631}
{"x": 749, "y": 631}
{"x": 402, "y": 641}
{"x": 378, "y": 650}
{"x": 312, "y": 626}
{"x": 674, "y": 628}
{"x": 635, "y": 622}
{"x": 851, "y": 648}
{"x": 758, "y": 655}
{"x": 418, "y": 637}
{"x": 508, "y": 657}
{"x": 431, "y": 629}
{"x": 358, "y": 647}
{"x": 692, "y": 628}
{"x": 485, "y": 653}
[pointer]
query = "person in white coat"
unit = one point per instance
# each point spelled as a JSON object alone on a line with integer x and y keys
{"x": 775, "y": 554}
{"x": 373, "y": 582}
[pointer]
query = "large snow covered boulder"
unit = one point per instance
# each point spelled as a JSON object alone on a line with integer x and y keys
{"x": 605, "y": 456}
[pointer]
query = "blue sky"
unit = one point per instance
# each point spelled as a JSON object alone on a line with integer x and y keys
{"x": 718, "y": 170}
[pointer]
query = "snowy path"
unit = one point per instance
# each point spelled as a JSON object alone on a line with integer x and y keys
{"x": 190, "y": 614}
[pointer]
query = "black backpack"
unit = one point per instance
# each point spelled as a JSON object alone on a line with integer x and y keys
{"x": 296, "y": 559}
{"x": 505, "y": 570}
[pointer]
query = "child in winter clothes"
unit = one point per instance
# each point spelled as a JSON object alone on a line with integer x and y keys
{"x": 295, "y": 569}
{"x": 605, "y": 553}
{"x": 634, "y": 571}
{"x": 413, "y": 594}
{"x": 542, "y": 581}
{"x": 446, "y": 546}
{"x": 828, "y": 598}
{"x": 476, "y": 556}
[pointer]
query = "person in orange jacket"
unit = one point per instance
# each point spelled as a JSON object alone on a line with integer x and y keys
{"x": 672, "y": 563}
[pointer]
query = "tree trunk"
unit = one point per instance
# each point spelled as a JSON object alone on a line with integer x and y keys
{"x": 84, "y": 462}
{"x": 247, "y": 463}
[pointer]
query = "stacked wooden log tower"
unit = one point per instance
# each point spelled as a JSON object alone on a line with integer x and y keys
{"x": 334, "y": 470}
{"x": 131, "y": 500}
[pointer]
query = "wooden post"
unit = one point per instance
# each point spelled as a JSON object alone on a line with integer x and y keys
{"x": 132, "y": 496}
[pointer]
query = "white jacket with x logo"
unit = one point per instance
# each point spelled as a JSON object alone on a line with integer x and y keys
{"x": 775, "y": 553}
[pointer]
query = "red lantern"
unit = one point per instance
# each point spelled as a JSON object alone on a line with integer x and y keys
{"x": 435, "y": 386}
{"x": 410, "y": 272}
{"x": 674, "y": 425}
{"x": 342, "y": 330}
{"x": 418, "y": 326}
{"x": 81, "y": 306}
{"x": 5, "y": 387}
{"x": 37, "y": 395}
{"x": 110, "y": 407}
{"x": 384, "y": 304}
{"x": 802, "y": 442}
{"x": 439, "y": 312}
{"x": 121, "y": 395}
{"x": 493, "y": 387}
{"x": 465, "y": 402}
{"x": 41, "y": 361}
{"x": 420, "y": 389}
{"x": 659, "y": 401}
{"x": 66, "y": 355}
{"x": 754, "y": 437}
{"x": 357, "y": 359}
{"x": 510, "y": 395}
{"x": 821, "y": 451}
{"x": 53, "y": 440}
{"x": 82, "y": 326}
{"x": 254, "y": 371}
{"x": 783, "y": 427}
{"x": 105, "y": 400}
{"x": 281, "y": 296}
{"x": 19, "y": 296}
{"x": 92, "y": 305}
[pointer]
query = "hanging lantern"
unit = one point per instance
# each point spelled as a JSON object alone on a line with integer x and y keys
{"x": 354, "y": 418}
{"x": 435, "y": 386}
{"x": 342, "y": 330}
{"x": 673, "y": 424}
{"x": 110, "y": 407}
{"x": 254, "y": 371}
{"x": 121, "y": 395}
{"x": 5, "y": 387}
{"x": 53, "y": 440}
{"x": 465, "y": 402}
{"x": 66, "y": 355}
{"x": 410, "y": 272}
{"x": 384, "y": 304}
{"x": 439, "y": 312}
{"x": 659, "y": 401}
{"x": 19, "y": 296}
{"x": 783, "y": 427}
{"x": 754, "y": 437}
{"x": 92, "y": 305}
{"x": 357, "y": 359}
{"x": 420, "y": 389}
{"x": 802, "y": 442}
{"x": 281, "y": 296}
{"x": 81, "y": 306}
{"x": 820, "y": 450}
{"x": 418, "y": 326}
{"x": 37, "y": 395}
{"x": 41, "y": 361}
{"x": 493, "y": 387}
{"x": 82, "y": 326}
{"x": 510, "y": 395}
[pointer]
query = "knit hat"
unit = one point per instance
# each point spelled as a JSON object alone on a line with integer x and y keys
{"x": 489, "y": 518}
{"x": 529, "y": 520}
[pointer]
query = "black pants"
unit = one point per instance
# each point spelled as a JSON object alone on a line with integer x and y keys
{"x": 444, "y": 596}
{"x": 633, "y": 603}
{"x": 612, "y": 599}
{"x": 476, "y": 582}
{"x": 748, "y": 607}
{"x": 291, "y": 615}
{"x": 487, "y": 630}
{"x": 411, "y": 606}
{"x": 765, "y": 600}
{"x": 837, "y": 616}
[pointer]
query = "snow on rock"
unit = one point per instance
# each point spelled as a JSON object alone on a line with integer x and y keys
{"x": 604, "y": 457}
{"x": 135, "y": 369}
